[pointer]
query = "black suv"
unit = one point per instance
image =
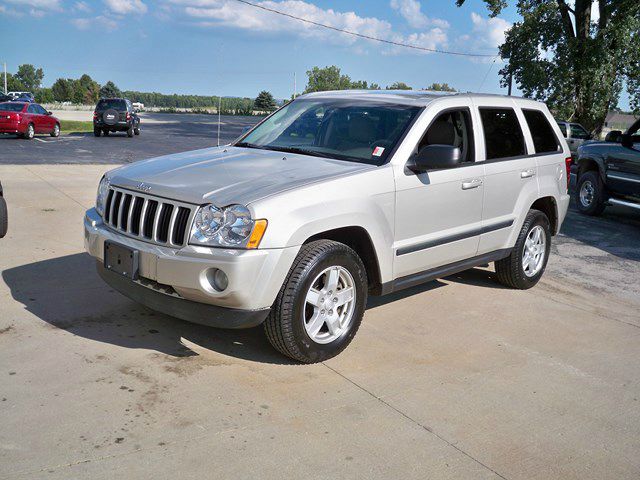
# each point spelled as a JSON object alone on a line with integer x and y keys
{"x": 608, "y": 172}
{"x": 115, "y": 115}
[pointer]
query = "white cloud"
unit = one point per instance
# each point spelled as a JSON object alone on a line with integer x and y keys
{"x": 99, "y": 21}
{"x": 81, "y": 7}
{"x": 487, "y": 34}
{"x": 411, "y": 11}
{"x": 37, "y": 4}
{"x": 37, "y": 13}
{"x": 124, "y": 7}
{"x": 229, "y": 13}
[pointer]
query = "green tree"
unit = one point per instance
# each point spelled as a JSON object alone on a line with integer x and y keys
{"x": 440, "y": 87}
{"x": 30, "y": 77}
{"x": 44, "y": 95}
{"x": 398, "y": 86}
{"x": 109, "y": 90}
{"x": 557, "y": 54}
{"x": 327, "y": 78}
{"x": 63, "y": 90}
{"x": 14, "y": 85}
{"x": 265, "y": 102}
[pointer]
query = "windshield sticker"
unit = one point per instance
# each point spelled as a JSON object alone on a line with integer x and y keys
{"x": 378, "y": 151}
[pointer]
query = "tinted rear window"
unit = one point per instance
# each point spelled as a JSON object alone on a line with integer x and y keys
{"x": 502, "y": 133}
{"x": 544, "y": 140}
{"x": 11, "y": 107}
{"x": 111, "y": 103}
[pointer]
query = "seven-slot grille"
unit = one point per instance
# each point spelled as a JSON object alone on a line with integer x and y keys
{"x": 153, "y": 219}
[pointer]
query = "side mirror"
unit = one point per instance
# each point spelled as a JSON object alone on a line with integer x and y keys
{"x": 613, "y": 136}
{"x": 49, "y": 112}
{"x": 626, "y": 140}
{"x": 435, "y": 157}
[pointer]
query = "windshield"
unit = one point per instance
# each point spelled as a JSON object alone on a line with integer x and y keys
{"x": 360, "y": 131}
{"x": 11, "y": 107}
{"x": 116, "y": 104}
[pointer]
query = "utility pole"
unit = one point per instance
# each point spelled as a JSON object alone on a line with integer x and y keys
{"x": 5, "y": 78}
{"x": 219, "y": 105}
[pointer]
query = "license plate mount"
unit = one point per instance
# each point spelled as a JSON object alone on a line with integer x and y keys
{"x": 121, "y": 260}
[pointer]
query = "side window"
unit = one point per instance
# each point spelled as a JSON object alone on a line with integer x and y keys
{"x": 451, "y": 128}
{"x": 40, "y": 110}
{"x": 31, "y": 109}
{"x": 544, "y": 140}
{"x": 502, "y": 133}
{"x": 578, "y": 132}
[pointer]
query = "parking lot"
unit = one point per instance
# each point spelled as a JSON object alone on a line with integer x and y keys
{"x": 162, "y": 133}
{"x": 459, "y": 378}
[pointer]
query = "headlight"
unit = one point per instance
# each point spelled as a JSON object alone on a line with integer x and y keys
{"x": 101, "y": 197}
{"x": 231, "y": 226}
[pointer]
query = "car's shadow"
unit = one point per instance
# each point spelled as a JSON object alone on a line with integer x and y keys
{"x": 66, "y": 293}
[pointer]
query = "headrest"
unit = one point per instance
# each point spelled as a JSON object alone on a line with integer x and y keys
{"x": 441, "y": 133}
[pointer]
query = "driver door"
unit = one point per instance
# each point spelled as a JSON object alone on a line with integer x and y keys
{"x": 623, "y": 165}
{"x": 439, "y": 212}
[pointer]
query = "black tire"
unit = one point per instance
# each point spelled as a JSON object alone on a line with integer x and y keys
{"x": 593, "y": 203}
{"x": 130, "y": 132}
{"x": 510, "y": 271}
{"x": 105, "y": 133}
{"x": 97, "y": 132}
{"x": 136, "y": 131}
{"x": 56, "y": 131}
{"x": 30, "y": 133}
{"x": 4, "y": 218}
{"x": 285, "y": 326}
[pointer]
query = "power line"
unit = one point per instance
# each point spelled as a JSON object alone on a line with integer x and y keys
{"x": 367, "y": 37}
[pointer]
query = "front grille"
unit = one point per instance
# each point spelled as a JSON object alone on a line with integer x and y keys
{"x": 152, "y": 219}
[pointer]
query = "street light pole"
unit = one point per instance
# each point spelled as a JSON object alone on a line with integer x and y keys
{"x": 5, "y": 78}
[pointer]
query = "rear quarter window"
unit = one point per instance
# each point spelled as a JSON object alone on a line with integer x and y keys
{"x": 544, "y": 140}
{"x": 503, "y": 136}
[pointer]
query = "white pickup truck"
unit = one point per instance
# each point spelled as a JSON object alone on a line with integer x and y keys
{"x": 333, "y": 197}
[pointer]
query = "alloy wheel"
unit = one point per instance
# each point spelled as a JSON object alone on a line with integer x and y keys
{"x": 534, "y": 252}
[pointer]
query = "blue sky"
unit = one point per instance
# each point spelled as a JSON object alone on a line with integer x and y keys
{"x": 226, "y": 47}
{"x": 223, "y": 46}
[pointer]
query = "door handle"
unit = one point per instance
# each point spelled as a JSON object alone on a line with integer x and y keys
{"x": 527, "y": 173}
{"x": 475, "y": 183}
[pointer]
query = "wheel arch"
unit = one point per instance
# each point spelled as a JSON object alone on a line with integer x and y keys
{"x": 588, "y": 164}
{"x": 548, "y": 206}
{"x": 357, "y": 238}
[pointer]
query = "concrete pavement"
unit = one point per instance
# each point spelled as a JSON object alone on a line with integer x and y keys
{"x": 457, "y": 379}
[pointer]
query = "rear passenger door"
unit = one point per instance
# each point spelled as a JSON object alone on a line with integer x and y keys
{"x": 510, "y": 172}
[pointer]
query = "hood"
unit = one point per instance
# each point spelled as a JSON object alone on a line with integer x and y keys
{"x": 226, "y": 175}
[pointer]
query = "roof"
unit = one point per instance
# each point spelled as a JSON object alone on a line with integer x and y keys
{"x": 403, "y": 97}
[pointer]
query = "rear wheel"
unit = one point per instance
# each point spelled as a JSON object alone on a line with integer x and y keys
{"x": 524, "y": 267}
{"x": 105, "y": 133}
{"x": 97, "y": 132}
{"x": 130, "y": 132}
{"x": 590, "y": 193}
{"x": 30, "y": 133}
{"x": 56, "y": 131}
{"x": 136, "y": 130}
{"x": 3, "y": 217}
{"x": 321, "y": 304}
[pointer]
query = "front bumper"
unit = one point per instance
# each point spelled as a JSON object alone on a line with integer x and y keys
{"x": 255, "y": 276}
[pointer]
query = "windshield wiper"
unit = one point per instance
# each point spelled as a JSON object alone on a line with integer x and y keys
{"x": 298, "y": 150}
{"x": 247, "y": 145}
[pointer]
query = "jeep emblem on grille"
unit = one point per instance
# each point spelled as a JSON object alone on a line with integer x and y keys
{"x": 143, "y": 187}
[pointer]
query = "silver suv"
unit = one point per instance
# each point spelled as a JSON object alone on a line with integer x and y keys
{"x": 334, "y": 197}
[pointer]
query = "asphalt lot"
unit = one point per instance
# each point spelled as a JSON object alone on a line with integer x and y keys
{"x": 161, "y": 134}
{"x": 457, "y": 379}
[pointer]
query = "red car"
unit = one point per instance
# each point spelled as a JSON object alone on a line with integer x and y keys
{"x": 27, "y": 119}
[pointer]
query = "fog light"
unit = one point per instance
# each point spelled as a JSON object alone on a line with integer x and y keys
{"x": 218, "y": 279}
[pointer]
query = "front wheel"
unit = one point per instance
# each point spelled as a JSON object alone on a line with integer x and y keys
{"x": 524, "y": 267}
{"x": 130, "y": 132}
{"x": 136, "y": 131}
{"x": 321, "y": 303}
{"x": 56, "y": 131}
{"x": 590, "y": 193}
